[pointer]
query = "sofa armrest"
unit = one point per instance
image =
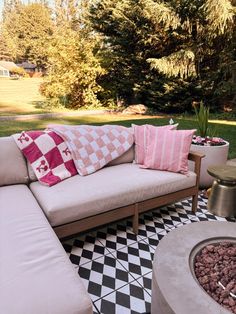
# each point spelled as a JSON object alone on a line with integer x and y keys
{"x": 196, "y": 157}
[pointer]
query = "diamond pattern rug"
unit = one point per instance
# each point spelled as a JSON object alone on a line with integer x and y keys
{"x": 116, "y": 265}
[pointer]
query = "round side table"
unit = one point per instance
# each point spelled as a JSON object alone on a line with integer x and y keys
{"x": 222, "y": 200}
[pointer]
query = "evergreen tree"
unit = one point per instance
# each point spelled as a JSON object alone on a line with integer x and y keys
{"x": 128, "y": 40}
{"x": 208, "y": 27}
{"x": 185, "y": 42}
{"x": 201, "y": 22}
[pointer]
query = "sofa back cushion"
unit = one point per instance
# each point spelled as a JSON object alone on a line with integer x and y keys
{"x": 127, "y": 157}
{"x": 13, "y": 169}
{"x": 32, "y": 176}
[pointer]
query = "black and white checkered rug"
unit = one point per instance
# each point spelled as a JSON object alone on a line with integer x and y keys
{"x": 116, "y": 265}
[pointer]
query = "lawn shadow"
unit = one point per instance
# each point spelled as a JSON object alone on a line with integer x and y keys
{"x": 41, "y": 105}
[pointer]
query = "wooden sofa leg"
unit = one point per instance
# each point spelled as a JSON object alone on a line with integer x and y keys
{"x": 135, "y": 219}
{"x": 194, "y": 203}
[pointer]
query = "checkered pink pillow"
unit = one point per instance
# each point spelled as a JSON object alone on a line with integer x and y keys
{"x": 48, "y": 155}
{"x": 168, "y": 149}
{"x": 140, "y": 139}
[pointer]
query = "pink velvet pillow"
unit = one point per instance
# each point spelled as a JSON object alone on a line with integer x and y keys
{"x": 140, "y": 139}
{"x": 168, "y": 149}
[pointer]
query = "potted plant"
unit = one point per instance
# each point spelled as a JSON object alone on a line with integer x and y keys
{"x": 214, "y": 148}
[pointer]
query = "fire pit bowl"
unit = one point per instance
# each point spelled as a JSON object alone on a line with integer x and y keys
{"x": 175, "y": 289}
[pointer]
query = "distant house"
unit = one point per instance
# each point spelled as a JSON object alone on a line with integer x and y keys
{"x": 8, "y": 65}
{"x": 4, "y": 72}
{"x": 30, "y": 68}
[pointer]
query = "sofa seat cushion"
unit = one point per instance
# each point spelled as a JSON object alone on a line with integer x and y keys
{"x": 111, "y": 187}
{"x": 36, "y": 275}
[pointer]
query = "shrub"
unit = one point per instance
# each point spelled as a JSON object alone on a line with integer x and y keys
{"x": 19, "y": 71}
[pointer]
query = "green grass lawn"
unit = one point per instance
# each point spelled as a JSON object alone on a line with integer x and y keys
{"x": 20, "y": 96}
{"x": 23, "y": 97}
{"x": 226, "y": 131}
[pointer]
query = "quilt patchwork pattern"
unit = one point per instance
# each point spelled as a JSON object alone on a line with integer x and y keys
{"x": 116, "y": 265}
{"x": 48, "y": 155}
{"x": 93, "y": 147}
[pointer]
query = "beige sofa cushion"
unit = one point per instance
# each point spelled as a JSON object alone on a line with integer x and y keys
{"x": 125, "y": 158}
{"x": 13, "y": 168}
{"x": 32, "y": 175}
{"x": 36, "y": 275}
{"x": 108, "y": 188}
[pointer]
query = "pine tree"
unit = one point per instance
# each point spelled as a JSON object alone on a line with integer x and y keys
{"x": 207, "y": 52}
{"x": 203, "y": 23}
{"x": 166, "y": 52}
{"x": 129, "y": 38}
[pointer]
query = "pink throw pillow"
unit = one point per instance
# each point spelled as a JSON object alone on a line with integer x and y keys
{"x": 168, "y": 149}
{"x": 140, "y": 139}
{"x": 48, "y": 155}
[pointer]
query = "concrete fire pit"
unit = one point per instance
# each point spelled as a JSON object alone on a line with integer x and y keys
{"x": 175, "y": 289}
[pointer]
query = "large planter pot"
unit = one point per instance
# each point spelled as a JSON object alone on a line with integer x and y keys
{"x": 214, "y": 155}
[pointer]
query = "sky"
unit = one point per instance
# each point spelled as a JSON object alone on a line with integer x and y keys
{"x": 23, "y": 1}
{"x": 2, "y": 2}
{"x": 1, "y": 6}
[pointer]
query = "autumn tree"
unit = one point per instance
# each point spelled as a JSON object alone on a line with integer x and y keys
{"x": 73, "y": 66}
{"x": 29, "y": 37}
{"x": 67, "y": 12}
{"x": 5, "y": 53}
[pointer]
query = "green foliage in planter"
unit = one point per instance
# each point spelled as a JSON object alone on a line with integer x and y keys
{"x": 202, "y": 116}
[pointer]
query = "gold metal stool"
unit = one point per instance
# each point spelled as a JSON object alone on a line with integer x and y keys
{"x": 222, "y": 199}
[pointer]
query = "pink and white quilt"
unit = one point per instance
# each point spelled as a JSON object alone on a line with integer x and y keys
{"x": 92, "y": 147}
{"x": 48, "y": 155}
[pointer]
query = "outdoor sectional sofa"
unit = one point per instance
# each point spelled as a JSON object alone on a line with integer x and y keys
{"x": 36, "y": 275}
